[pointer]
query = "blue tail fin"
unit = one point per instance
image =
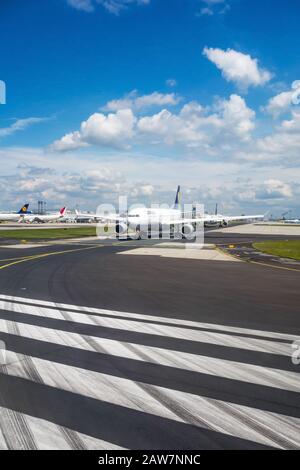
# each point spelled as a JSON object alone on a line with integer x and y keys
{"x": 24, "y": 209}
{"x": 177, "y": 199}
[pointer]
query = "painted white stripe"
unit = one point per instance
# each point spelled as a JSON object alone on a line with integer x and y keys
{"x": 3, "y": 445}
{"x": 48, "y": 436}
{"x": 251, "y": 344}
{"x": 236, "y": 420}
{"x": 157, "y": 319}
{"x": 202, "y": 364}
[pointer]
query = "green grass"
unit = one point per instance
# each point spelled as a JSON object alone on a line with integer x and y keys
{"x": 48, "y": 233}
{"x": 284, "y": 249}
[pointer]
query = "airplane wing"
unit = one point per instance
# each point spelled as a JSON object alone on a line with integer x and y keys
{"x": 113, "y": 218}
{"x": 242, "y": 217}
{"x": 108, "y": 218}
{"x": 214, "y": 218}
{"x": 186, "y": 220}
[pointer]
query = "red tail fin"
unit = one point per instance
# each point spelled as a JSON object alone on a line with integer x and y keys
{"x": 63, "y": 211}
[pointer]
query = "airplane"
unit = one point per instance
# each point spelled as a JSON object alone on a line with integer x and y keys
{"x": 15, "y": 216}
{"x": 142, "y": 220}
{"x": 219, "y": 220}
{"x": 46, "y": 217}
{"x": 291, "y": 221}
{"x": 90, "y": 217}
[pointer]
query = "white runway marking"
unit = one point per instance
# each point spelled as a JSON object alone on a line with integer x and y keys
{"x": 234, "y": 370}
{"x": 188, "y": 253}
{"x": 148, "y": 318}
{"x": 141, "y": 394}
{"x": 156, "y": 319}
{"x": 216, "y": 337}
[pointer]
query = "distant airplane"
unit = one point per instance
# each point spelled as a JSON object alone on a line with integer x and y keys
{"x": 46, "y": 217}
{"x": 171, "y": 219}
{"x": 87, "y": 216}
{"x": 219, "y": 220}
{"x": 15, "y": 216}
{"x": 292, "y": 221}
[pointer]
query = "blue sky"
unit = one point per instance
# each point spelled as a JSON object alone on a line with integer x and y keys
{"x": 136, "y": 96}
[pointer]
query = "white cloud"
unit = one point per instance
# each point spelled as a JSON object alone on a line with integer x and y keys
{"x": 237, "y": 117}
{"x": 270, "y": 195}
{"x": 142, "y": 190}
{"x": 171, "y": 82}
{"x": 193, "y": 127}
{"x": 71, "y": 141}
{"x": 270, "y": 191}
{"x": 276, "y": 189}
{"x": 134, "y": 101}
{"x": 283, "y": 101}
{"x": 237, "y": 67}
{"x": 113, "y": 6}
{"x": 84, "y": 5}
{"x": 20, "y": 125}
{"x": 100, "y": 177}
{"x": 284, "y": 143}
{"x": 214, "y": 6}
{"x": 206, "y": 11}
{"x": 112, "y": 130}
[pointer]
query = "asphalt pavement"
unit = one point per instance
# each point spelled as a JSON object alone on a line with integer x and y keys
{"x": 104, "y": 349}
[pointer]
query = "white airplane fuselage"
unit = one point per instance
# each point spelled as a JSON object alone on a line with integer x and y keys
{"x": 160, "y": 220}
{"x": 144, "y": 217}
{"x": 42, "y": 218}
{"x": 10, "y": 217}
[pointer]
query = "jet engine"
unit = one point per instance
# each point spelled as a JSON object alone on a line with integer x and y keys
{"x": 187, "y": 230}
{"x": 223, "y": 223}
{"x": 121, "y": 228}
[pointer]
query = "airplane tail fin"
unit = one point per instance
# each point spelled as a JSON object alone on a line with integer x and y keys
{"x": 177, "y": 199}
{"x": 63, "y": 211}
{"x": 24, "y": 210}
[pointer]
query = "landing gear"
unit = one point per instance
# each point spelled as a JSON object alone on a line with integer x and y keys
{"x": 172, "y": 232}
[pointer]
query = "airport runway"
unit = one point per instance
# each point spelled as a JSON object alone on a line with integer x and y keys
{"x": 107, "y": 347}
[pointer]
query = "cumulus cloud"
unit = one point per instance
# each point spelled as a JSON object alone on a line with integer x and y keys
{"x": 20, "y": 125}
{"x": 112, "y": 130}
{"x": 276, "y": 189}
{"x": 192, "y": 126}
{"x": 134, "y": 101}
{"x": 270, "y": 191}
{"x": 142, "y": 190}
{"x": 113, "y": 6}
{"x": 88, "y": 187}
{"x": 283, "y": 101}
{"x": 237, "y": 67}
{"x": 283, "y": 143}
{"x": 144, "y": 178}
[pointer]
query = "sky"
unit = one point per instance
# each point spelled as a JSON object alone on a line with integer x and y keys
{"x": 101, "y": 98}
